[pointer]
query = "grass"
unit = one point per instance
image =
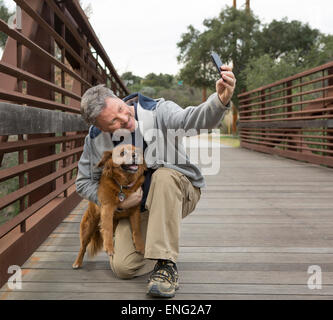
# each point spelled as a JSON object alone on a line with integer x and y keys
{"x": 227, "y": 140}
{"x": 231, "y": 141}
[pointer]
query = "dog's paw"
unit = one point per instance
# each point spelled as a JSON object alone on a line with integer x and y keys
{"x": 140, "y": 249}
{"x": 76, "y": 265}
{"x": 109, "y": 250}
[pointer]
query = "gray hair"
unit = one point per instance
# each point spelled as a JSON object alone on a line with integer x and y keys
{"x": 93, "y": 102}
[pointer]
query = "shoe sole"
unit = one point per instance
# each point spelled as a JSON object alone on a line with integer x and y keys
{"x": 154, "y": 292}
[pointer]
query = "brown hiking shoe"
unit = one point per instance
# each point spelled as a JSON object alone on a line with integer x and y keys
{"x": 164, "y": 280}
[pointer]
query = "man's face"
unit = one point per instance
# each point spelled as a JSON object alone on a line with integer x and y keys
{"x": 116, "y": 115}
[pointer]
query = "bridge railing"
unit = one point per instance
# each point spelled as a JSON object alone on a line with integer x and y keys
{"x": 292, "y": 117}
{"x": 52, "y": 55}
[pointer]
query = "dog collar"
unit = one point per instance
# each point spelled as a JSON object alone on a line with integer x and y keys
{"x": 121, "y": 195}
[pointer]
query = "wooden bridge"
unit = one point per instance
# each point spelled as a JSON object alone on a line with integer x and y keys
{"x": 264, "y": 222}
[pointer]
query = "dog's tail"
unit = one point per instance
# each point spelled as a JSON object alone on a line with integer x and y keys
{"x": 95, "y": 244}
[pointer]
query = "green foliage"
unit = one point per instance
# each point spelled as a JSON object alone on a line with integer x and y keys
{"x": 184, "y": 95}
{"x": 281, "y": 37}
{"x": 231, "y": 35}
{"x": 4, "y": 15}
{"x": 264, "y": 70}
{"x": 161, "y": 80}
{"x": 130, "y": 79}
{"x": 321, "y": 51}
{"x": 261, "y": 54}
{"x": 194, "y": 55}
{"x": 164, "y": 86}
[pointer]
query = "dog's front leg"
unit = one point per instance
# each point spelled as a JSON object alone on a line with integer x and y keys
{"x": 107, "y": 212}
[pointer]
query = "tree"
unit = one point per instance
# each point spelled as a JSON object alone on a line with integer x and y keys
{"x": 194, "y": 54}
{"x": 4, "y": 15}
{"x": 321, "y": 51}
{"x": 281, "y": 37}
{"x": 163, "y": 85}
{"x": 231, "y": 35}
{"x": 264, "y": 69}
{"x": 161, "y": 80}
{"x": 130, "y": 78}
{"x": 284, "y": 49}
{"x": 260, "y": 54}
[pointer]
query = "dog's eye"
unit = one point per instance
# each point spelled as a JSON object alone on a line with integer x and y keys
{"x": 122, "y": 153}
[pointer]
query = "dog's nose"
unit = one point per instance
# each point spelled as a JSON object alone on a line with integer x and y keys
{"x": 134, "y": 156}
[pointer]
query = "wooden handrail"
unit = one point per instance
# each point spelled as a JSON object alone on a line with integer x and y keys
{"x": 33, "y": 14}
{"x": 301, "y": 94}
{"x": 20, "y": 193}
{"x": 26, "y": 167}
{"x": 40, "y": 51}
{"x": 28, "y": 144}
{"x": 35, "y": 101}
{"x": 297, "y": 76}
{"x": 24, "y": 75}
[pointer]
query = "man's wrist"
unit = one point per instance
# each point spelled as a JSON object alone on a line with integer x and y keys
{"x": 227, "y": 105}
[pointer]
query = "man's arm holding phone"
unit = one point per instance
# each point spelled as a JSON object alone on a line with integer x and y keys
{"x": 208, "y": 114}
{"x": 226, "y": 85}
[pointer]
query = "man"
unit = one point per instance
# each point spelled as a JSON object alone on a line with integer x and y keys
{"x": 172, "y": 186}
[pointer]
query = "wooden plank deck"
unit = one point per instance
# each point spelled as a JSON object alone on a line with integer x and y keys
{"x": 261, "y": 222}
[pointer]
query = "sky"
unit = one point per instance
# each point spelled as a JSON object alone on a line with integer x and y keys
{"x": 141, "y": 36}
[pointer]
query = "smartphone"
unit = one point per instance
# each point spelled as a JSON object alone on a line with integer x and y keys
{"x": 217, "y": 61}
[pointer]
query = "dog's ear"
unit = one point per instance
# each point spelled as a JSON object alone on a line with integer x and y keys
{"x": 106, "y": 156}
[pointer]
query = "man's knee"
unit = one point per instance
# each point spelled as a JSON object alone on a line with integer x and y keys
{"x": 121, "y": 267}
{"x": 163, "y": 176}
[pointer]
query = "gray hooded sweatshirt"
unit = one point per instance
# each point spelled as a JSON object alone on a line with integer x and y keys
{"x": 162, "y": 124}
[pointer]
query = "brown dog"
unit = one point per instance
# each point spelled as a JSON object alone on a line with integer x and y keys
{"x": 122, "y": 174}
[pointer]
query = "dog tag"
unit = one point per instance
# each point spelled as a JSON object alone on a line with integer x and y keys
{"x": 121, "y": 196}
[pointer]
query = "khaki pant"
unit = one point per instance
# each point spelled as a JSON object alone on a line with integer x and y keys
{"x": 171, "y": 197}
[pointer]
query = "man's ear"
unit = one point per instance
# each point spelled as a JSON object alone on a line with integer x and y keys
{"x": 106, "y": 156}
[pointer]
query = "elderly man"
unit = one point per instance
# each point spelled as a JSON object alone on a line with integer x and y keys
{"x": 171, "y": 189}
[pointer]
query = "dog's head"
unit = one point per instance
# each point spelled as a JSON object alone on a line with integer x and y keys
{"x": 124, "y": 163}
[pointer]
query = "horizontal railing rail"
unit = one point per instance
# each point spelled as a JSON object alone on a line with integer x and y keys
{"x": 292, "y": 117}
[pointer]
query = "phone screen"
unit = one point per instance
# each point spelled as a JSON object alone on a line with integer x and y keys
{"x": 217, "y": 61}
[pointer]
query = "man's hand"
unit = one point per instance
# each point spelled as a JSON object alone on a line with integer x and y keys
{"x": 225, "y": 87}
{"x": 133, "y": 200}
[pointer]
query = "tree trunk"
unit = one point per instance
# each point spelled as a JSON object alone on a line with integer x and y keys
{"x": 204, "y": 94}
{"x": 234, "y": 119}
{"x": 248, "y": 5}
